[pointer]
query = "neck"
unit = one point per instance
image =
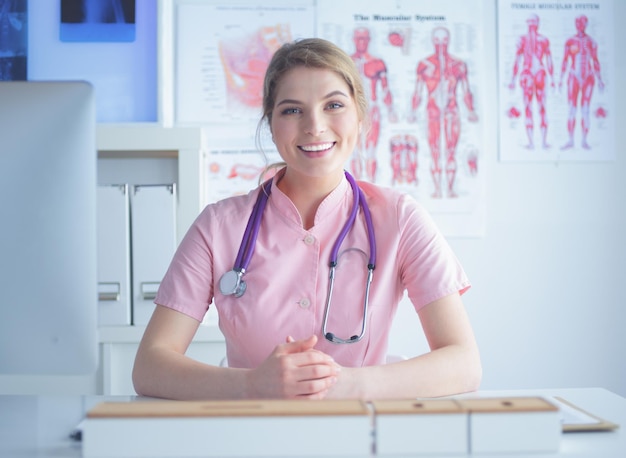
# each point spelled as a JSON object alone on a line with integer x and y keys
{"x": 307, "y": 193}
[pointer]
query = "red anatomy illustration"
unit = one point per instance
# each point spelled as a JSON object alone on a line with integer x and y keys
{"x": 396, "y": 39}
{"x": 513, "y": 112}
{"x": 580, "y": 62}
{"x": 245, "y": 61}
{"x": 472, "y": 162}
{"x": 441, "y": 74}
{"x": 404, "y": 158}
{"x": 245, "y": 171}
{"x": 533, "y": 50}
{"x": 374, "y": 72}
{"x": 601, "y": 112}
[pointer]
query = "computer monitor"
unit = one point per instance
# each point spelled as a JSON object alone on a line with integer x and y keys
{"x": 48, "y": 246}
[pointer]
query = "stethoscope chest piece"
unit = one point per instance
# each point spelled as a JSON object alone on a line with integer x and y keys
{"x": 232, "y": 284}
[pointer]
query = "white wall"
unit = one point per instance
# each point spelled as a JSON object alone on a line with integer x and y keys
{"x": 547, "y": 302}
{"x": 124, "y": 74}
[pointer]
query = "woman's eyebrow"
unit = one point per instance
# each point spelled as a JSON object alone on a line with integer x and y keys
{"x": 327, "y": 96}
{"x": 288, "y": 102}
{"x": 334, "y": 93}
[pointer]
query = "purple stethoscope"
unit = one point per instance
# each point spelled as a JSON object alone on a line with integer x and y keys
{"x": 231, "y": 283}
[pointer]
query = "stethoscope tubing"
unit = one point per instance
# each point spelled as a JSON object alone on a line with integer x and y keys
{"x": 334, "y": 254}
{"x": 246, "y": 250}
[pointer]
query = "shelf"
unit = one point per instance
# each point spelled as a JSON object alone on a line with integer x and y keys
{"x": 146, "y": 137}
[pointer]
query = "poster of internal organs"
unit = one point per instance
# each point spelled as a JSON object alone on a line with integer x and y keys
{"x": 222, "y": 51}
{"x": 556, "y": 81}
{"x": 421, "y": 63}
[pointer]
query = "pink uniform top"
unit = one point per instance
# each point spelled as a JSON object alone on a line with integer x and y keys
{"x": 287, "y": 279}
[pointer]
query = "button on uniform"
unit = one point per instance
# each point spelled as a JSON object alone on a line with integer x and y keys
{"x": 304, "y": 303}
{"x": 309, "y": 239}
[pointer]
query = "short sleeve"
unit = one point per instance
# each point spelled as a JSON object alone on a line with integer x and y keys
{"x": 429, "y": 268}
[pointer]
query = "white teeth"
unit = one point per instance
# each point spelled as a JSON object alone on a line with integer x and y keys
{"x": 320, "y": 147}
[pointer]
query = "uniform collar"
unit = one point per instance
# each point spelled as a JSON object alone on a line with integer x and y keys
{"x": 331, "y": 203}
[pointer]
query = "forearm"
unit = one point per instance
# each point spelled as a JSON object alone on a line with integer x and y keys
{"x": 167, "y": 374}
{"x": 293, "y": 370}
{"x": 448, "y": 370}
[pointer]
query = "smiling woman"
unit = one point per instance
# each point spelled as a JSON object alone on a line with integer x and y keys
{"x": 311, "y": 234}
{"x": 315, "y": 126}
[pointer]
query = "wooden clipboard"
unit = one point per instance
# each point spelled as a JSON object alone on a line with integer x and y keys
{"x": 586, "y": 420}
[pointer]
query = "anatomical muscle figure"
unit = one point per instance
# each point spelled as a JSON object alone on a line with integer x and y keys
{"x": 533, "y": 50}
{"x": 580, "y": 62}
{"x": 442, "y": 74}
{"x": 374, "y": 73}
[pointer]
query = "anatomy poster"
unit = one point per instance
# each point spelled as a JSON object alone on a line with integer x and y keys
{"x": 556, "y": 81}
{"x": 421, "y": 63}
{"x": 234, "y": 159}
{"x": 222, "y": 52}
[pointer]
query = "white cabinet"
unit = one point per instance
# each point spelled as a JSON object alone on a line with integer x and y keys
{"x": 136, "y": 154}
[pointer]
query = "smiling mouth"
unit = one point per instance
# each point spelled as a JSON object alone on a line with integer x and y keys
{"x": 317, "y": 148}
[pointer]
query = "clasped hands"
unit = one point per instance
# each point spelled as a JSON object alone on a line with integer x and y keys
{"x": 295, "y": 370}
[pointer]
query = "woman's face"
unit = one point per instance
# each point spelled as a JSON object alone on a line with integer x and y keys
{"x": 315, "y": 124}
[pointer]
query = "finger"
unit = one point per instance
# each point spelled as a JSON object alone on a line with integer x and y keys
{"x": 310, "y": 357}
{"x": 315, "y": 388}
{"x": 297, "y": 346}
{"x": 316, "y": 372}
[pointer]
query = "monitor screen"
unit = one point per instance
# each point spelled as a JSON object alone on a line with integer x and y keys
{"x": 48, "y": 282}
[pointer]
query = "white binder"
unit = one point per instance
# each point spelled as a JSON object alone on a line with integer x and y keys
{"x": 153, "y": 242}
{"x": 114, "y": 304}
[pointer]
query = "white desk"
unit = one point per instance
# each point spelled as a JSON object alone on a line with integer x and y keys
{"x": 39, "y": 426}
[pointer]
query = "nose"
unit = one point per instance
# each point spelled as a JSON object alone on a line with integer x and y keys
{"x": 314, "y": 123}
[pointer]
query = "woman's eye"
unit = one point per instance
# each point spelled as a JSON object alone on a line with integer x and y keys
{"x": 335, "y": 105}
{"x": 288, "y": 111}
